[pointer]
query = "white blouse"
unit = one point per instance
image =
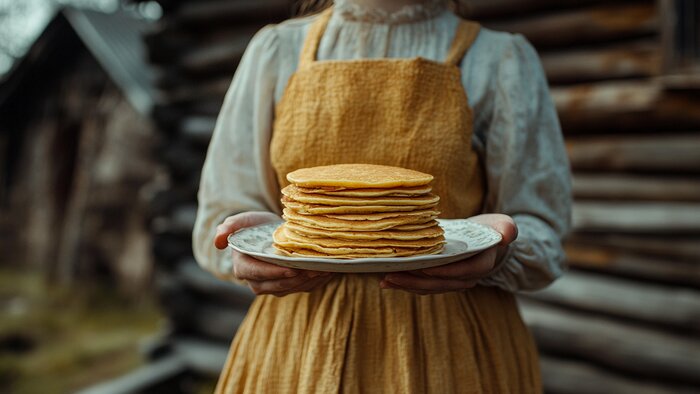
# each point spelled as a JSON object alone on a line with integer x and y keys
{"x": 516, "y": 130}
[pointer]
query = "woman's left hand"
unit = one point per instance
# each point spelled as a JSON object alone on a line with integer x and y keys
{"x": 461, "y": 275}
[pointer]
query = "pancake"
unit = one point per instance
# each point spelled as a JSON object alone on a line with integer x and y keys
{"x": 304, "y": 241}
{"x": 430, "y": 232}
{"x": 316, "y": 209}
{"x": 282, "y": 241}
{"x": 344, "y": 192}
{"x": 383, "y": 215}
{"x": 324, "y": 222}
{"x": 312, "y": 253}
{"x": 358, "y": 176}
{"x": 415, "y": 226}
{"x": 293, "y": 193}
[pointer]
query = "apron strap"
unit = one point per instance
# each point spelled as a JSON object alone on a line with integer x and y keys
{"x": 313, "y": 38}
{"x": 466, "y": 34}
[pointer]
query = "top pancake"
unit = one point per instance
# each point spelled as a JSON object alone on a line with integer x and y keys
{"x": 358, "y": 176}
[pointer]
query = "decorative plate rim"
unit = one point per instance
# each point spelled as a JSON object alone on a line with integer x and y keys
{"x": 496, "y": 238}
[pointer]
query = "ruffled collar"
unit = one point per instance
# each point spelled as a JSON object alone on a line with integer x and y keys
{"x": 349, "y": 10}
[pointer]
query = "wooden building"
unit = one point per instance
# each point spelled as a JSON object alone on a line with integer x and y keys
{"x": 625, "y": 80}
{"x": 75, "y": 137}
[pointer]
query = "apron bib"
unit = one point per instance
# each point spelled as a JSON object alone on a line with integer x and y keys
{"x": 351, "y": 336}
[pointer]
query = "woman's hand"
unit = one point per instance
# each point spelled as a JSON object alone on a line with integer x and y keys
{"x": 461, "y": 275}
{"x": 262, "y": 277}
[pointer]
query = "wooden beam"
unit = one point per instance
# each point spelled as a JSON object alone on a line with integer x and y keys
{"x": 614, "y": 344}
{"x": 659, "y": 218}
{"x": 148, "y": 378}
{"x": 207, "y": 286}
{"x": 636, "y": 59}
{"x": 622, "y": 262}
{"x": 636, "y": 187}
{"x": 207, "y": 91}
{"x": 201, "y": 356}
{"x": 674, "y": 307}
{"x": 599, "y": 23}
{"x": 566, "y": 376}
{"x": 636, "y": 105}
{"x": 198, "y": 129}
{"x": 214, "y": 12}
{"x": 658, "y": 153}
{"x": 685, "y": 248}
{"x": 484, "y": 9}
{"x": 217, "y": 58}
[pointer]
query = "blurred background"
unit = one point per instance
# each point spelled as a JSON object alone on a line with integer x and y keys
{"x": 106, "y": 110}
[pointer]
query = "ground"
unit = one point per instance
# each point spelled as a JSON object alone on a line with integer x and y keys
{"x": 56, "y": 340}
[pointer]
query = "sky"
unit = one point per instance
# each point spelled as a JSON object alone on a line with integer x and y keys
{"x": 21, "y": 22}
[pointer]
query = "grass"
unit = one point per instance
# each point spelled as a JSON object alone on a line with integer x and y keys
{"x": 56, "y": 340}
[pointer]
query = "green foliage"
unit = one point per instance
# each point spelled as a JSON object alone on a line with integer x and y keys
{"x": 72, "y": 337}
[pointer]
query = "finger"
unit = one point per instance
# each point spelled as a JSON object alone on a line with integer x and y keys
{"x": 248, "y": 268}
{"x": 475, "y": 267}
{"x": 430, "y": 284}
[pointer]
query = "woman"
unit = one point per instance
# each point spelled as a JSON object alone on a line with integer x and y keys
{"x": 404, "y": 83}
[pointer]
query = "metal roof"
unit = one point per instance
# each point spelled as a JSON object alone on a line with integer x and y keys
{"x": 113, "y": 39}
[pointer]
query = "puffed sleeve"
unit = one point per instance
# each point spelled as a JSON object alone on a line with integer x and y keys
{"x": 230, "y": 182}
{"x": 527, "y": 170}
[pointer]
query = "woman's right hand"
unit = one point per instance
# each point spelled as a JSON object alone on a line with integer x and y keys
{"x": 262, "y": 277}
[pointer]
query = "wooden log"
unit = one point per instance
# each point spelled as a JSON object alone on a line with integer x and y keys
{"x": 683, "y": 248}
{"x": 662, "y": 153}
{"x": 207, "y": 286}
{"x": 208, "y": 13}
{"x": 202, "y": 356}
{"x": 183, "y": 159}
{"x": 668, "y": 218}
{"x": 169, "y": 248}
{"x": 635, "y": 105}
{"x": 193, "y": 315}
{"x": 179, "y": 221}
{"x": 622, "y": 262}
{"x": 683, "y": 81}
{"x": 614, "y": 344}
{"x": 209, "y": 91}
{"x": 637, "y": 59}
{"x": 565, "y": 376}
{"x": 635, "y": 187}
{"x": 484, "y": 9}
{"x": 215, "y": 59}
{"x": 198, "y": 129}
{"x": 215, "y": 322}
{"x": 148, "y": 378}
{"x": 599, "y": 23}
{"x": 673, "y": 307}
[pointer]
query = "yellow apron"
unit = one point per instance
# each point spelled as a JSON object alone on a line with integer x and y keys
{"x": 351, "y": 336}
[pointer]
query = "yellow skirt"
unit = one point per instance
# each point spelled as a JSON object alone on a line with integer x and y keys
{"x": 351, "y": 336}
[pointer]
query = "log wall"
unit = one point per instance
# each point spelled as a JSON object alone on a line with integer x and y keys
{"x": 626, "y": 317}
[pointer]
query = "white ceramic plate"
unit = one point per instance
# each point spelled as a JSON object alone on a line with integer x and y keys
{"x": 464, "y": 239}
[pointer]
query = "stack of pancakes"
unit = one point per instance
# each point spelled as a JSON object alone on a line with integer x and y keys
{"x": 359, "y": 210}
